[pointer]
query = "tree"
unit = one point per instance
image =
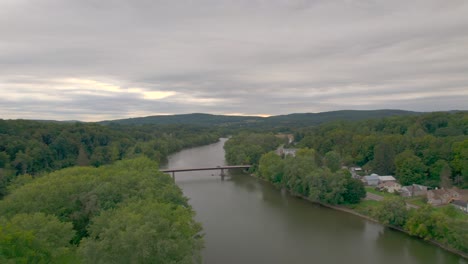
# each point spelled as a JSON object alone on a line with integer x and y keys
{"x": 333, "y": 161}
{"x": 355, "y": 191}
{"x": 460, "y": 160}
{"x": 427, "y": 224}
{"x": 82, "y": 159}
{"x": 384, "y": 156}
{"x": 445, "y": 176}
{"x": 392, "y": 211}
{"x": 440, "y": 174}
{"x": 409, "y": 168}
{"x": 78, "y": 194}
{"x": 35, "y": 238}
{"x": 144, "y": 232}
{"x": 271, "y": 167}
{"x": 4, "y": 159}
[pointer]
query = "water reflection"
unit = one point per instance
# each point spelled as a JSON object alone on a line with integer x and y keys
{"x": 249, "y": 221}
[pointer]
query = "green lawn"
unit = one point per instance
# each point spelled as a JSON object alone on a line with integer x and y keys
{"x": 453, "y": 212}
{"x": 365, "y": 207}
{"x": 384, "y": 194}
{"x": 418, "y": 201}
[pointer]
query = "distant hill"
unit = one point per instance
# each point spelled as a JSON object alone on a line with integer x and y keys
{"x": 291, "y": 120}
{"x": 188, "y": 119}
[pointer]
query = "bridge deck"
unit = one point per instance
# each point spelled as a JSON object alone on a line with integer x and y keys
{"x": 209, "y": 168}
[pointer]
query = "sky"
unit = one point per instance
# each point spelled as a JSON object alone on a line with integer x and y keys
{"x": 96, "y": 60}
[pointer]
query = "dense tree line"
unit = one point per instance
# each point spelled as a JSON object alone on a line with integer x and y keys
{"x": 271, "y": 123}
{"x": 322, "y": 181}
{"x": 128, "y": 212}
{"x": 447, "y": 225}
{"x": 32, "y": 147}
{"x": 247, "y": 148}
{"x": 302, "y": 176}
{"x": 430, "y": 149}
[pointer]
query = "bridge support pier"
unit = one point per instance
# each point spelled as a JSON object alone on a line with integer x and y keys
{"x": 222, "y": 174}
{"x": 173, "y": 175}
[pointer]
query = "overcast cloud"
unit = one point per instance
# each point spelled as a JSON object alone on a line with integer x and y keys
{"x": 101, "y": 59}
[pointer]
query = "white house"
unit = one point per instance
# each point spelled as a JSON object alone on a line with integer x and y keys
{"x": 390, "y": 186}
{"x": 371, "y": 180}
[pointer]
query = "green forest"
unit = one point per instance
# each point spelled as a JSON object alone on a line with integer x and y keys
{"x": 34, "y": 148}
{"x": 73, "y": 192}
{"x": 430, "y": 149}
{"x": 88, "y": 193}
{"x": 128, "y": 212}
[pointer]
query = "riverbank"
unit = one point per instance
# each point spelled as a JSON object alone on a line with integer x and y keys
{"x": 353, "y": 212}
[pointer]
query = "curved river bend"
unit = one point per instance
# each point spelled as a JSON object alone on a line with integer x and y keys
{"x": 249, "y": 221}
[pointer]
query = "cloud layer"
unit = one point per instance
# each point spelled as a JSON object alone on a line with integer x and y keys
{"x": 101, "y": 59}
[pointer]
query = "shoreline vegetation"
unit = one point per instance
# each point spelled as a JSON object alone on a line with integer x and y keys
{"x": 127, "y": 212}
{"x": 430, "y": 149}
{"x": 29, "y": 149}
{"x": 369, "y": 218}
{"x": 87, "y": 193}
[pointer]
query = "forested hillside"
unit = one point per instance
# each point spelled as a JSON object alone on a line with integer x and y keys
{"x": 429, "y": 149}
{"x": 128, "y": 212}
{"x": 32, "y": 147}
{"x": 303, "y": 174}
{"x": 280, "y": 122}
{"x": 45, "y": 206}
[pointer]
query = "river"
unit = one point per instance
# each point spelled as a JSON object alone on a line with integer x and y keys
{"x": 246, "y": 220}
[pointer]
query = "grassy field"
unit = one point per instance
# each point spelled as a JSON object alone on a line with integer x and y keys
{"x": 374, "y": 191}
{"x": 453, "y": 212}
{"x": 365, "y": 207}
{"x": 419, "y": 201}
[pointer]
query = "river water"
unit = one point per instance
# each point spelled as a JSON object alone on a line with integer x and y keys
{"x": 246, "y": 220}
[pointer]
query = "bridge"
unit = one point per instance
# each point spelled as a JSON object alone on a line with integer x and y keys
{"x": 222, "y": 168}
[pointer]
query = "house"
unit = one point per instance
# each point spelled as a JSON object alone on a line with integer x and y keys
{"x": 460, "y": 204}
{"x": 371, "y": 180}
{"x": 354, "y": 172}
{"x": 281, "y": 151}
{"x": 389, "y": 186}
{"x": 413, "y": 190}
{"x": 389, "y": 178}
{"x": 291, "y": 152}
{"x": 442, "y": 196}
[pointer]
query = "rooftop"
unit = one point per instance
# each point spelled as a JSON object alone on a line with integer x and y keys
{"x": 387, "y": 178}
{"x": 460, "y": 203}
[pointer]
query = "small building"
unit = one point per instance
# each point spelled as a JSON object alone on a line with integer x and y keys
{"x": 413, "y": 190}
{"x": 291, "y": 152}
{"x": 281, "y": 151}
{"x": 389, "y": 186}
{"x": 460, "y": 204}
{"x": 371, "y": 180}
{"x": 388, "y": 178}
{"x": 442, "y": 196}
